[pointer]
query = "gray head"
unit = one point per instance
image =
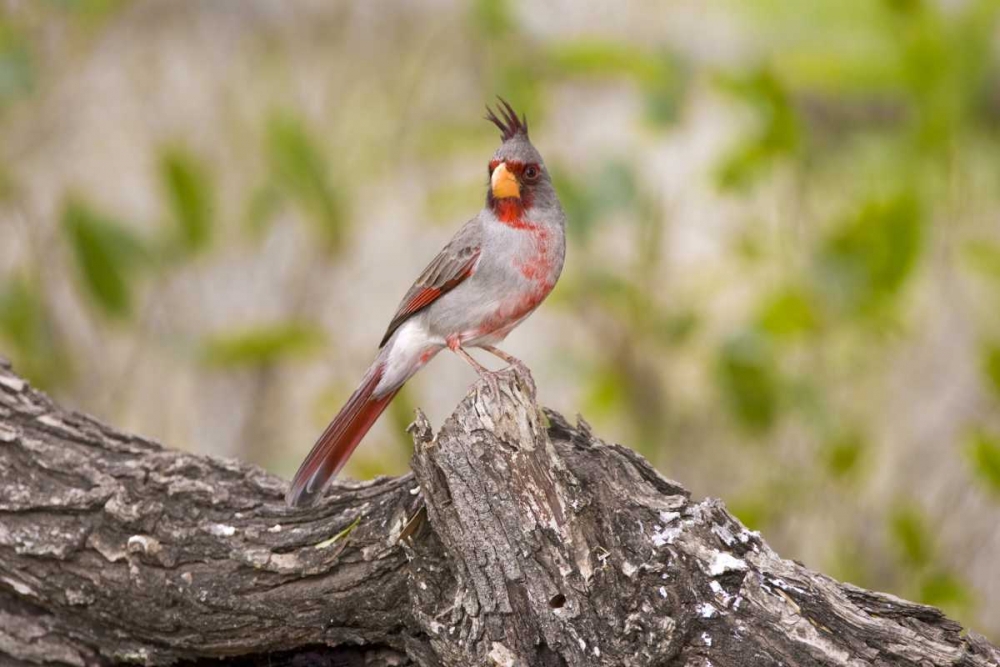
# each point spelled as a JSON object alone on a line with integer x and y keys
{"x": 518, "y": 178}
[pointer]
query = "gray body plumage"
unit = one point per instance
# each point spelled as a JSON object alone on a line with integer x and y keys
{"x": 500, "y": 292}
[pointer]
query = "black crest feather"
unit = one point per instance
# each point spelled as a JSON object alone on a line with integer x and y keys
{"x": 508, "y": 122}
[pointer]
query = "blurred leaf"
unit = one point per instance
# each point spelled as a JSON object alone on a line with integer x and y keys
{"x": 756, "y": 513}
{"x": 299, "y": 167}
{"x": 606, "y": 391}
{"x": 747, "y": 376}
{"x": 788, "y": 313}
{"x": 945, "y": 589}
{"x": 658, "y": 74}
{"x": 453, "y": 201}
{"x": 983, "y": 256}
{"x": 868, "y": 259}
{"x": 991, "y": 367}
{"x": 910, "y": 534}
{"x": 261, "y": 346}
{"x": 17, "y": 72}
{"x": 8, "y": 185}
{"x": 843, "y": 453}
{"x": 26, "y": 327}
{"x": 91, "y": 10}
{"x": 596, "y": 58}
{"x": 591, "y": 199}
{"x": 614, "y": 188}
{"x": 189, "y": 194}
{"x": 264, "y": 203}
{"x": 776, "y": 134}
{"x": 106, "y": 254}
{"x": 493, "y": 18}
{"x": 676, "y": 328}
{"x": 582, "y": 218}
{"x": 983, "y": 452}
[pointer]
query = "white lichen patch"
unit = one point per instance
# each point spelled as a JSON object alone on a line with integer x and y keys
{"x": 502, "y": 656}
{"x": 724, "y": 534}
{"x": 49, "y": 420}
{"x": 706, "y": 639}
{"x": 723, "y": 562}
{"x": 79, "y": 598}
{"x": 276, "y": 528}
{"x": 628, "y": 569}
{"x": 221, "y": 530}
{"x": 13, "y": 383}
{"x": 665, "y": 535}
{"x": 669, "y": 517}
{"x": 663, "y": 592}
{"x": 705, "y": 610}
{"x": 7, "y": 433}
{"x": 19, "y": 586}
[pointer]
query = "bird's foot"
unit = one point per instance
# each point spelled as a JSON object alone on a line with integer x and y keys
{"x": 519, "y": 367}
{"x": 485, "y": 374}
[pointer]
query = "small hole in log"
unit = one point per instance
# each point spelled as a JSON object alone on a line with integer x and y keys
{"x": 557, "y": 601}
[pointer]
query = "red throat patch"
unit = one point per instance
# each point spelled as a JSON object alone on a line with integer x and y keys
{"x": 511, "y": 212}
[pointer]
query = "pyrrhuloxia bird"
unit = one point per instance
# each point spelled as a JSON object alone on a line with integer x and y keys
{"x": 494, "y": 272}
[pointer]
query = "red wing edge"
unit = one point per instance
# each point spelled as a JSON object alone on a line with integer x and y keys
{"x": 426, "y": 295}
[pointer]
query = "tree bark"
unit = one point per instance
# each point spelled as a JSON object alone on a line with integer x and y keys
{"x": 518, "y": 540}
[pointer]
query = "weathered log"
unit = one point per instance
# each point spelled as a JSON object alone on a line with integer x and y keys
{"x": 517, "y": 540}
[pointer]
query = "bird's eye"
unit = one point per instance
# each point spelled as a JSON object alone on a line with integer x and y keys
{"x": 531, "y": 172}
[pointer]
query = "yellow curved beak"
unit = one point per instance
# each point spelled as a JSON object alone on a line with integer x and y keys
{"x": 503, "y": 183}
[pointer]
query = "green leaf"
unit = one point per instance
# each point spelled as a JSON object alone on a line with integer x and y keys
{"x": 788, "y": 313}
{"x": 339, "y": 536}
{"x": 910, "y": 534}
{"x": 945, "y": 589}
{"x": 983, "y": 452}
{"x": 17, "y": 69}
{"x": 492, "y": 18}
{"x": 261, "y": 346}
{"x": 843, "y": 454}
{"x": 106, "y": 254}
{"x": 606, "y": 393}
{"x": 983, "y": 256}
{"x": 777, "y": 133}
{"x": 301, "y": 170}
{"x": 867, "y": 260}
{"x": 26, "y": 327}
{"x": 189, "y": 194}
{"x": 747, "y": 375}
{"x": 598, "y": 58}
{"x": 991, "y": 367}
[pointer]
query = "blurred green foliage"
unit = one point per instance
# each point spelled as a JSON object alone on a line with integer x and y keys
{"x": 30, "y": 336}
{"x": 107, "y": 256}
{"x": 188, "y": 190}
{"x": 300, "y": 172}
{"x": 261, "y": 346}
{"x": 984, "y": 455}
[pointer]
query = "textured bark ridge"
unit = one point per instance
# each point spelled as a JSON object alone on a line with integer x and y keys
{"x": 518, "y": 540}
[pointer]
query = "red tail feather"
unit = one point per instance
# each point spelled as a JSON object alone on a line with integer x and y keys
{"x": 339, "y": 440}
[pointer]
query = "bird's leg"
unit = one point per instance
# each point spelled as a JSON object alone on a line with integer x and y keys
{"x": 479, "y": 368}
{"x": 509, "y": 358}
{"x": 455, "y": 345}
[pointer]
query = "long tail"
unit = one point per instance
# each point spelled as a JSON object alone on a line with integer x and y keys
{"x": 340, "y": 438}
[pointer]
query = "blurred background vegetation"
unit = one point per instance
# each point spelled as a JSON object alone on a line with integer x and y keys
{"x": 783, "y": 283}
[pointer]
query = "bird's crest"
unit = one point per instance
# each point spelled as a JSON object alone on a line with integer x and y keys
{"x": 508, "y": 122}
